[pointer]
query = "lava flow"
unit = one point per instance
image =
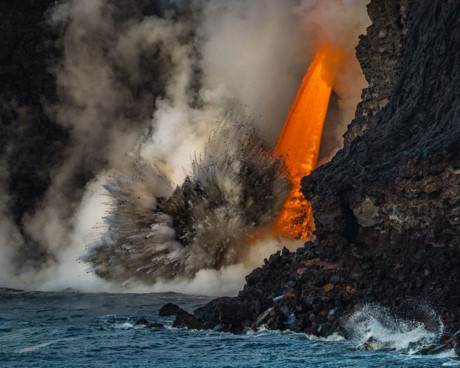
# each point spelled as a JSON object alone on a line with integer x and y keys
{"x": 300, "y": 140}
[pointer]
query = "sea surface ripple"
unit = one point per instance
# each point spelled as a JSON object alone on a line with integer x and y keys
{"x": 71, "y": 329}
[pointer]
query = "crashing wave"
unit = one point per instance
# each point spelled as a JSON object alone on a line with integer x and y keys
{"x": 155, "y": 232}
{"x": 373, "y": 327}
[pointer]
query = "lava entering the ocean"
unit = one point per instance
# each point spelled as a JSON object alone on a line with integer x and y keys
{"x": 300, "y": 139}
{"x": 235, "y": 188}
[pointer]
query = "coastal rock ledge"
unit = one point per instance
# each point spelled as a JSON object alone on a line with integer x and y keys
{"x": 387, "y": 209}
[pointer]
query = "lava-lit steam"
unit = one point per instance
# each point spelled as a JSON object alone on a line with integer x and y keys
{"x": 149, "y": 79}
{"x": 300, "y": 140}
{"x": 235, "y": 188}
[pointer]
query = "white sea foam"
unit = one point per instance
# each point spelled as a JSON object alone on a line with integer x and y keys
{"x": 33, "y": 348}
{"x": 451, "y": 363}
{"x": 123, "y": 326}
{"x": 373, "y": 327}
{"x": 263, "y": 330}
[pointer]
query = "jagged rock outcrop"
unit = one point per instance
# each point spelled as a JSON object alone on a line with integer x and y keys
{"x": 395, "y": 190}
{"x": 379, "y": 53}
{"x": 386, "y": 207}
{"x": 392, "y": 194}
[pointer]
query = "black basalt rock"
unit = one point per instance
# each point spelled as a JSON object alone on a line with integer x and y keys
{"x": 144, "y": 322}
{"x": 187, "y": 320}
{"x": 233, "y": 313}
{"x": 169, "y": 309}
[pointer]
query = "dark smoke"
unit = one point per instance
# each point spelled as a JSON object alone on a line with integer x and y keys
{"x": 150, "y": 79}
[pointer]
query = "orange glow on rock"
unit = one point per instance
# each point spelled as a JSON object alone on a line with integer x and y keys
{"x": 300, "y": 139}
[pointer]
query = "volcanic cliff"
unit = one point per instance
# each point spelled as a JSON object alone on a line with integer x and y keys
{"x": 386, "y": 208}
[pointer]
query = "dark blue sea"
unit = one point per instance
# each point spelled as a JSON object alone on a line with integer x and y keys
{"x": 71, "y": 329}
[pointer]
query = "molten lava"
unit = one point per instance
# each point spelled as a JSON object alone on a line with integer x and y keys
{"x": 300, "y": 140}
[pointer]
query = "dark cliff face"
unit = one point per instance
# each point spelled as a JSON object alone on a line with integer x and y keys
{"x": 391, "y": 196}
{"x": 396, "y": 187}
{"x": 387, "y": 205}
{"x": 386, "y": 208}
{"x": 379, "y": 53}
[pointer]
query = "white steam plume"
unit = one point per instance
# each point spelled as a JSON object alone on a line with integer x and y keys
{"x": 339, "y": 24}
{"x": 233, "y": 190}
{"x": 136, "y": 79}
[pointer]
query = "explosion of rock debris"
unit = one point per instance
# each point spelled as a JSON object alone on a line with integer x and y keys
{"x": 235, "y": 189}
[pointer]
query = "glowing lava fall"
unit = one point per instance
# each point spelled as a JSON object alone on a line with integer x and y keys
{"x": 300, "y": 139}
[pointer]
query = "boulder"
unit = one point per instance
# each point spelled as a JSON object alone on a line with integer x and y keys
{"x": 187, "y": 320}
{"x": 141, "y": 322}
{"x": 169, "y": 309}
{"x": 144, "y": 322}
{"x": 225, "y": 310}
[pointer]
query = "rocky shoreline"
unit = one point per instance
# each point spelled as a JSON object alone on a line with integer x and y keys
{"x": 387, "y": 210}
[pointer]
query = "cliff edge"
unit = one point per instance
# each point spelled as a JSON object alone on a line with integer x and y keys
{"x": 386, "y": 208}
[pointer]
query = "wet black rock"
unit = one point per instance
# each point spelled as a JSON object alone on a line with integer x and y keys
{"x": 143, "y": 322}
{"x": 446, "y": 343}
{"x": 187, "y": 320}
{"x": 452, "y": 342}
{"x": 156, "y": 325}
{"x": 169, "y": 309}
{"x": 230, "y": 312}
{"x": 379, "y": 53}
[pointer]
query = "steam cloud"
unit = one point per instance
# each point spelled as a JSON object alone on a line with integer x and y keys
{"x": 154, "y": 82}
{"x": 235, "y": 189}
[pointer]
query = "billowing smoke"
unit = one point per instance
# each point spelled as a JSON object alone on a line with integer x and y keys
{"x": 338, "y": 23}
{"x": 10, "y": 236}
{"x": 234, "y": 190}
{"x": 141, "y": 88}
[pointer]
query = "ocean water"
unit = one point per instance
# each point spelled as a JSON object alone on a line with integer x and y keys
{"x": 71, "y": 329}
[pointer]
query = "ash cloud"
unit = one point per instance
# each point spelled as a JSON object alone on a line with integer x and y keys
{"x": 234, "y": 190}
{"x": 154, "y": 81}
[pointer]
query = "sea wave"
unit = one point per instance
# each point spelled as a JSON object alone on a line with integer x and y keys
{"x": 374, "y": 327}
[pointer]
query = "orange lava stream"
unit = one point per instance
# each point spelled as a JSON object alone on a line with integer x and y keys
{"x": 300, "y": 139}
